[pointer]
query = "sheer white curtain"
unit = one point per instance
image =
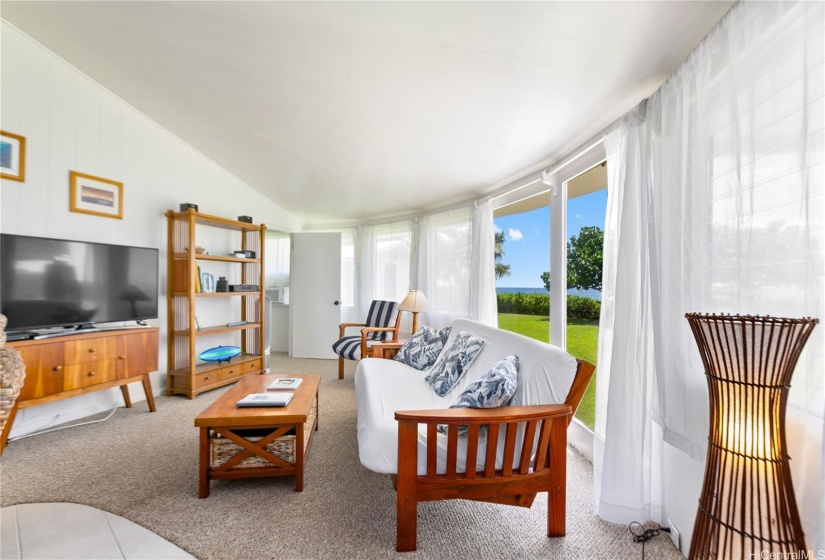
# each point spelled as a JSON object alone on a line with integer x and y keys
{"x": 350, "y": 298}
{"x": 277, "y": 245}
{"x": 384, "y": 252}
{"x": 625, "y": 453}
{"x": 483, "y": 304}
{"x": 445, "y": 265}
{"x": 716, "y": 203}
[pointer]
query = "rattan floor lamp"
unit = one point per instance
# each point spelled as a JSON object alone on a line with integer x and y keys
{"x": 747, "y": 507}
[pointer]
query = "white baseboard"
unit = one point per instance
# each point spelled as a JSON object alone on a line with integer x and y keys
{"x": 581, "y": 437}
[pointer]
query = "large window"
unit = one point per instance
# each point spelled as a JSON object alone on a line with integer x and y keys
{"x": 524, "y": 281}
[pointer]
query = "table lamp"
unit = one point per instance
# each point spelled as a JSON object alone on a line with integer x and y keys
{"x": 415, "y": 302}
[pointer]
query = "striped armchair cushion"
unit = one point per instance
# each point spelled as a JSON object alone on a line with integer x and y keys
{"x": 381, "y": 314}
{"x": 348, "y": 347}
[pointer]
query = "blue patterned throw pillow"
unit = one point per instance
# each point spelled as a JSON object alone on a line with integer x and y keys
{"x": 492, "y": 390}
{"x": 453, "y": 362}
{"x": 423, "y": 348}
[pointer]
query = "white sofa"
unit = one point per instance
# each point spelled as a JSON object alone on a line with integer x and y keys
{"x": 398, "y": 415}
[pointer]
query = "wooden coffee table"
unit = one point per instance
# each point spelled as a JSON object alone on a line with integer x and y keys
{"x": 257, "y": 436}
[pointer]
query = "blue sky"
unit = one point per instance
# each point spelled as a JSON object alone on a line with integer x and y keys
{"x": 527, "y": 249}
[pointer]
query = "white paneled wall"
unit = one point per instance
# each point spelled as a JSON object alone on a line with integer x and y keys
{"x": 72, "y": 123}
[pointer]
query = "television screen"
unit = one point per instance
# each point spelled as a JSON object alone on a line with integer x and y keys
{"x": 54, "y": 282}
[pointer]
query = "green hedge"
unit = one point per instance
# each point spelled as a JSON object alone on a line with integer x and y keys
{"x": 578, "y": 307}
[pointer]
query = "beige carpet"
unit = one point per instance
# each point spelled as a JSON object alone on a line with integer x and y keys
{"x": 144, "y": 467}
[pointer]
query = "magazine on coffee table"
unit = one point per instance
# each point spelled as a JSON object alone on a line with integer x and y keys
{"x": 285, "y": 383}
{"x": 265, "y": 400}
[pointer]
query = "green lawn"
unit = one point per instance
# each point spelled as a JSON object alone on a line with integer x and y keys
{"x": 582, "y": 341}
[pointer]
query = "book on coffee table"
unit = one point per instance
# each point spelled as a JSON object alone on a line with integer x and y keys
{"x": 265, "y": 400}
{"x": 284, "y": 383}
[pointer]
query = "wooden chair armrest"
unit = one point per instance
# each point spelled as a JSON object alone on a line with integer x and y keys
{"x": 393, "y": 330}
{"x": 367, "y": 330}
{"x": 483, "y": 415}
{"x": 344, "y": 326}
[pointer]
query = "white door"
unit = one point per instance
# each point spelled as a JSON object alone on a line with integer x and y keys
{"x": 315, "y": 294}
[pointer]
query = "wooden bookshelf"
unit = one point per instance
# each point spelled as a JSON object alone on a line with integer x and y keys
{"x": 186, "y": 376}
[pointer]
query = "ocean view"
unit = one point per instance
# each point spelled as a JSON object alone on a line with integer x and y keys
{"x": 592, "y": 294}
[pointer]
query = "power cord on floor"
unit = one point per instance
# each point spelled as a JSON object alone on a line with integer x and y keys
{"x": 65, "y": 426}
{"x": 642, "y": 535}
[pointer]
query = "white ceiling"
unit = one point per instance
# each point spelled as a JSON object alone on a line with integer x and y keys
{"x": 345, "y": 111}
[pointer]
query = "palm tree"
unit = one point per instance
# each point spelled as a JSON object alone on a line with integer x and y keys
{"x": 501, "y": 268}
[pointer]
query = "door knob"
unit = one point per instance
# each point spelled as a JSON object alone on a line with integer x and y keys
{"x": 337, "y": 302}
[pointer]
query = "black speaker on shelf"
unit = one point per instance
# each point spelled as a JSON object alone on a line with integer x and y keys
{"x": 247, "y": 219}
{"x": 184, "y": 206}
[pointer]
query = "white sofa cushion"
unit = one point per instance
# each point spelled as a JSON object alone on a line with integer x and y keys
{"x": 383, "y": 387}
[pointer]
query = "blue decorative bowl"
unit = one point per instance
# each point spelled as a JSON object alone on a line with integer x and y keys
{"x": 219, "y": 354}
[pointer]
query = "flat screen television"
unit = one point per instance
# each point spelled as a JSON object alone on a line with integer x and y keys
{"x": 61, "y": 283}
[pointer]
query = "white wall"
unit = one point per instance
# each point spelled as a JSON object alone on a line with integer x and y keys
{"x": 72, "y": 123}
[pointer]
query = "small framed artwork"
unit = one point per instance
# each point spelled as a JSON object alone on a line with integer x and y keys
{"x": 12, "y": 156}
{"x": 95, "y": 195}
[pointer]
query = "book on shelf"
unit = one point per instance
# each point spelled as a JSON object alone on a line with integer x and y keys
{"x": 198, "y": 287}
{"x": 208, "y": 282}
{"x": 284, "y": 383}
{"x": 265, "y": 400}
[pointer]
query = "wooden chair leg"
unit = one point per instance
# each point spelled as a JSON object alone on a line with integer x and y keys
{"x": 407, "y": 504}
{"x": 557, "y": 492}
{"x": 340, "y": 368}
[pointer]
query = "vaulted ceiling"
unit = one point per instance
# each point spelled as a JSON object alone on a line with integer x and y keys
{"x": 348, "y": 111}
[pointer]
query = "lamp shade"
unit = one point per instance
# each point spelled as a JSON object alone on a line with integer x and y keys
{"x": 415, "y": 301}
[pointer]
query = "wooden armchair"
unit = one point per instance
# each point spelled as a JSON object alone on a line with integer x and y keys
{"x": 517, "y": 481}
{"x": 376, "y": 327}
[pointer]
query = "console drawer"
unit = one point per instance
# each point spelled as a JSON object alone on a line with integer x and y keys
{"x": 92, "y": 373}
{"x": 230, "y": 372}
{"x": 89, "y": 350}
{"x": 251, "y": 365}
{"x": 207, "y": 379}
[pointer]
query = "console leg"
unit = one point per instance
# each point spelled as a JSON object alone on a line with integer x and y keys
{"x": 7, "y": 428}
{"x": 147, "y": 389}
{"x": 124, "y": 390}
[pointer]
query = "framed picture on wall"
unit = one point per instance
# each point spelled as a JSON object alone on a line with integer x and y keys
{"x": 12, "y": 156}
{"x": 95, "y": 195}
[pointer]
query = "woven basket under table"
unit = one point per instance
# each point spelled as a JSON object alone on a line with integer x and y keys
{"x": 223, "y": 449}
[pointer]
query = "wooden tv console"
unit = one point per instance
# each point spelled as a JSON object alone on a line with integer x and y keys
{"x": 67, "y": 366}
